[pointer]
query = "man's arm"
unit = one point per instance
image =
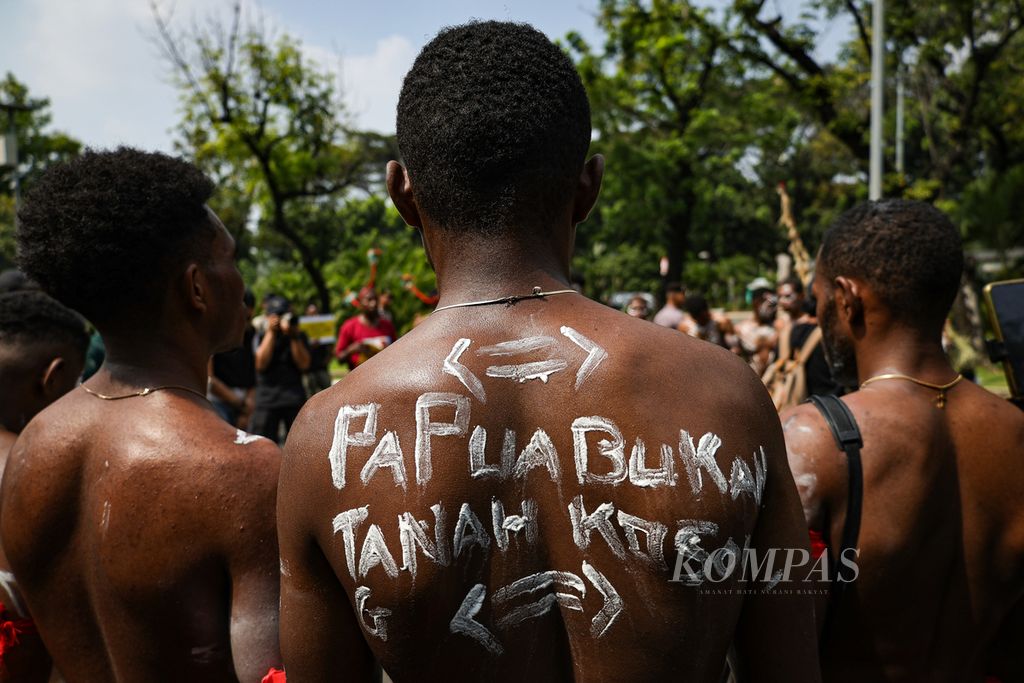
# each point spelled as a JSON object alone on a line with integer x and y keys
{"x": 265, "y": 351}
{"x": 776, "y": 639}
{"x": 300, "y": 351}
{"x": 320, "y": 634}
{"x": 253, "y": 565}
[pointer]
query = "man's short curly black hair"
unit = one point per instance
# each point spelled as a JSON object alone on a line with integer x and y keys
{"x": 102, "y": 232}
{"x": 493, "y": 126}
{"x": 908, "y": 251}
{"x": 32, "y": 317}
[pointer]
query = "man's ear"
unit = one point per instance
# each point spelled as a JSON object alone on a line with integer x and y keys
{"x": 196, "y": 288}
{"x": 400, "y": 189}
{"x": 54, "y": 384}
{"x": 588, "y": 188}
{"x": 849, "y": 296}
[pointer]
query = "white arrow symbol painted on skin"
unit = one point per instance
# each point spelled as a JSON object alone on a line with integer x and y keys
{"x": 511, "y": 348}
{"x": 541, "y": 370}
{"x": 463, "y": 622}
{"x": 595, "y": 354}
{"x": 613, "y": 604}
{"x": 453, "y": 367}
{"x": 531, "y": 584}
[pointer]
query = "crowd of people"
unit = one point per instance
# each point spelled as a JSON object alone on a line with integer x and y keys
{"x": 433, "y": 514}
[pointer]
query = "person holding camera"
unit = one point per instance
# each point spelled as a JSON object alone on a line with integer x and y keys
{"x": 282, "y": 355}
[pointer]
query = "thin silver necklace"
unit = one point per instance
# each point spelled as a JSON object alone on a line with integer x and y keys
{"x": 509, "y": 300}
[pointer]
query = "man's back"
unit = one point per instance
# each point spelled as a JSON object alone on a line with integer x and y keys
{"x": 941, "y": 563}
{"x": 446, "y": 505}
{"x": 143, "y": 539}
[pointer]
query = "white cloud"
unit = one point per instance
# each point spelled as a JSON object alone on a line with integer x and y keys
{"x": 371, "y": 83}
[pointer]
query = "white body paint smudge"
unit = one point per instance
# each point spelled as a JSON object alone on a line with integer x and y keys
{"x": 425, "y": 428}
{"x": 687, "y": 542}
{"x": 613, "y": 605}
{"x": 641, "y": 475}
{"x": 741, "y": 480}
{"x": 613, "y": 449}
{"x": 536, "y": 582}
{"x": 465, "y": 623}
{"x": 517, "y": 346}
{"x": 348, "y": 524}
{"x": 243, "y": 438}
{"x": 388, "y": 453}
{"x": 378, "y": 614}
{"x": 469, "y": 531}
{"x": 10, "y": 585}
{"x": 343, "y": 439}
{"x": 375, "y": 552}
{"x": 595, "y": 354}
{"x": 105, "y": 519}
{"x": 542, "y": 370}
{"x": 540, "y": 451}
{"x": 478, "y": 466}
{"x": 600, "y": 520}
{"x": 413, "y": 533}
{"x": 701, "y": 458}
{"x": 453, "y": 367}
{"x": 655, "y": 533}
{"x": 504, "y": 524}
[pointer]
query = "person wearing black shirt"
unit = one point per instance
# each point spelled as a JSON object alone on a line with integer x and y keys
{"x": 794, "y": 302}
{"x": 233, "y": 376}
{"x": 282, "y": 355}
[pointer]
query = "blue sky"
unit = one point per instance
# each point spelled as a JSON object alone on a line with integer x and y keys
{"x": 97, "y": 62}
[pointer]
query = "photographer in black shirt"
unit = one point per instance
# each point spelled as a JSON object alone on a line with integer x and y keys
{"x": 282, "y": 355}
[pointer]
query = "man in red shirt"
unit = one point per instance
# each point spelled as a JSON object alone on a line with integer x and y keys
{"x": 363, "y": 335}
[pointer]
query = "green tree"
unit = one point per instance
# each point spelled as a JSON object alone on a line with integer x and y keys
{"x": 38, "y": 148}
{"x": 683, "y": 127}
{"x": 268, "y": 125}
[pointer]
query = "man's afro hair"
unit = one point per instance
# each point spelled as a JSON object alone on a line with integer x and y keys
{"x": 103, "y": 232}
{"x": 32, "y": 317}
{"x": 908, "y": 251}
{"x": 493, "y": 126}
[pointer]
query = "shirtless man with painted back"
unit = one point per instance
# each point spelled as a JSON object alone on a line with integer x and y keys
{"x": 42, "y": 352}
{"x": 941, "y": 563}
{"x": 501, "y": 495}
{"x": 139, "y": 524}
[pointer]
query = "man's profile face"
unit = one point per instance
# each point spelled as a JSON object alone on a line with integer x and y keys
{"x": 791, "y": 301}
{"x": 837, "y": 345}
{"x": 229, "y": 290}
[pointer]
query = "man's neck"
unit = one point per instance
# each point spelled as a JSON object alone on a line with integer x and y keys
{"x": 137, "y": 362}
{"x": 902, "y": 351}
{"x": 489, "y": 270}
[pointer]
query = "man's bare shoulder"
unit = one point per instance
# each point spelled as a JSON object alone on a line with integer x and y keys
{"x": 173, "y": 450}
{"x": 819, "y": 469}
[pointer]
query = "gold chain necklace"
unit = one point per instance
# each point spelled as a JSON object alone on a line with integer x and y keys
{"x": 509, "y": 300}
{"x": 940, "y": 400}
{"x": 144, "y": 392}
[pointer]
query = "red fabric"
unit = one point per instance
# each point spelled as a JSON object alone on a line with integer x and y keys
{"x": 10, "y": 629}
{"x": 353, "y": 330}
{"x": 818, "y": 544}
{"x": 274, "y": 676}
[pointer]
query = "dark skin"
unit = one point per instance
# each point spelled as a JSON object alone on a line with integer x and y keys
{"x": 142, "y": 534}
{"x": 653, "y": 383}
{"x": 942, "y": 532}
{"x": 32, "y": 376}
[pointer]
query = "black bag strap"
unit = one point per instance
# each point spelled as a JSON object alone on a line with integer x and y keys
{"x": 847, "y": 435}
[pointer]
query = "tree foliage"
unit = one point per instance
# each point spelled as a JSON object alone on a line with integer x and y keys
{"x": 268, "y": 124}
{"x": 38, "y": 148}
